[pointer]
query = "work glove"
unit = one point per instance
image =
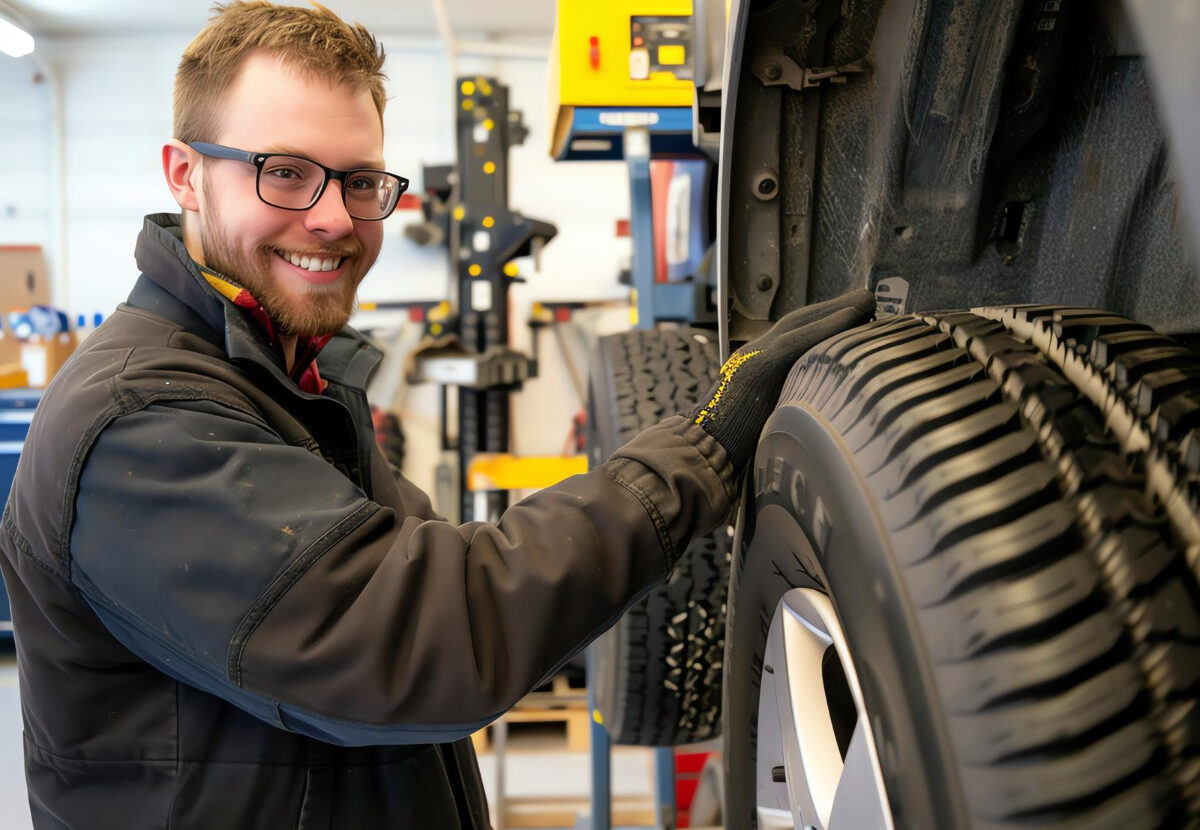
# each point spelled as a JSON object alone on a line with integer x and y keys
{"x": 735, "y": 410}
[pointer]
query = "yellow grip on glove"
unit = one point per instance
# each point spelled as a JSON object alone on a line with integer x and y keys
{"x": 734, "y": 363}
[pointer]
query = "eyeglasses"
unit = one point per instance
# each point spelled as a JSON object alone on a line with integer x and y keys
{"x": 296, "y": 183}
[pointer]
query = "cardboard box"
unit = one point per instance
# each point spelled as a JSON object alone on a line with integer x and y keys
{"x": 42, "y": 357}
{"x": 10, "y": 346}
{"x": 24, "y": 277}
{"x": 24, "y": 283}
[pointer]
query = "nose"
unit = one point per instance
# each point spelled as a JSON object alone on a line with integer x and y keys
{"x": 328, "y": 217}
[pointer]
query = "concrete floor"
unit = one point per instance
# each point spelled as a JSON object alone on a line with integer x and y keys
{"x": 14, "y": 804}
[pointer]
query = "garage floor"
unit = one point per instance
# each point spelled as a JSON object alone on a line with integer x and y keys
{"x": 14, "y": 805}
{"x": 534, "y": 766}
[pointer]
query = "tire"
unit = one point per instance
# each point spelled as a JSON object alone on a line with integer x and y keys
{"x": 659, "y": 667}
{"x": 996, "y": 509}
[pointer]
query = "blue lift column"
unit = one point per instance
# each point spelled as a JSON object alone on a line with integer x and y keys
{"x": 601, "y": 751}
{"x": 636, "y": 135}
{"x": 641, "y": 231}
{"x": 641, "y": 222}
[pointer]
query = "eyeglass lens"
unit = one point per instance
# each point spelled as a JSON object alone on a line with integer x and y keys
{"x": 292, "y": 182}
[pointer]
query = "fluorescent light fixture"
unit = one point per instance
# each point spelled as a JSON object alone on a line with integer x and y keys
{"x": 14, "y": 40}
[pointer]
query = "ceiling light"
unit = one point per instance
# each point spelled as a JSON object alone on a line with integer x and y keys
{"x": 14, "y": 40}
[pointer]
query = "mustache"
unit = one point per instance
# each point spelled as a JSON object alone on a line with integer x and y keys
{"x": 334, "y": 250}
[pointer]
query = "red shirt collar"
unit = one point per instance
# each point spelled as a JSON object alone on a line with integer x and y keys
{"x": 304, "y": 367}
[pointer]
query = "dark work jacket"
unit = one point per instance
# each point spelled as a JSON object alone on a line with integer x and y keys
{"x": 231, "y": 613}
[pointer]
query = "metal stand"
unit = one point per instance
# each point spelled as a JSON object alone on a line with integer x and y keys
{"x": 656, "y": 301}
{"x": 641, "y": 222}
{"x": 637, "y": 156}
{"x": 601, "y": 751}
{"x": 484, "y": 236}
{"x": 664, "y": 787}
{"x": 482, "y": 220}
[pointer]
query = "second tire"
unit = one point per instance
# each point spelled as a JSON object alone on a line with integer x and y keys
{"x": 659, "y": 667}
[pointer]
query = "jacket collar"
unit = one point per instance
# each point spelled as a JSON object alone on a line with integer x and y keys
{"x": 162, "y": 258}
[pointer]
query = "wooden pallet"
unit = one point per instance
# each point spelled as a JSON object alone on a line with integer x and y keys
{"x": 571, "y": 716}
{"x": 563, "y": 811}
{"x": 561, "y": 693}
{"x": 563, "y": 704}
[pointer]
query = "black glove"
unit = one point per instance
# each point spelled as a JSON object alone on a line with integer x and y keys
{"x": 737, "y": 407}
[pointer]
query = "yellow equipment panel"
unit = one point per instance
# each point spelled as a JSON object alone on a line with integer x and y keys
{"x": 621, "y": 53}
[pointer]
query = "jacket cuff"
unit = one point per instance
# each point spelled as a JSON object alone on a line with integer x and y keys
{"x": 683, "y": 478}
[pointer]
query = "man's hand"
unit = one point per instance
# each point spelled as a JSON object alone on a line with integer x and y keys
{"x": 739, "y": 403}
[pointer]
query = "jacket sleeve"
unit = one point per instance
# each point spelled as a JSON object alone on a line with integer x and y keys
{"x": 256, "y": 571}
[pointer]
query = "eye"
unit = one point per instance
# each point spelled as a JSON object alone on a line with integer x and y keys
{"x": 361, "y": 183}
{"x": 289, "y": 171}
{"x": 286, "y": 174}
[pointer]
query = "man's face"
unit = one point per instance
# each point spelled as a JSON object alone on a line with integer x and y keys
{"x": 271, "y": 109}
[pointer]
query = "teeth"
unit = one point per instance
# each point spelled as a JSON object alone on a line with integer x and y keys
{"x": 312, "y": 263}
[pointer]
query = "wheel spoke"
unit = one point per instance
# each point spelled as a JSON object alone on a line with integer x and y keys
{"x": 857, "y": 805}
{"x": 803, "y": 780}
{"x": 810, "y": 755}
{"x": 770, "y": 818}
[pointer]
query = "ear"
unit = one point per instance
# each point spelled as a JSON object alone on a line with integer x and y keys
{"x": 181, "y": 166}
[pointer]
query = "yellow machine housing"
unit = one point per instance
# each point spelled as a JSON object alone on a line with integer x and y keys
{"x": 629, "y": 54}
{"x": 611, "y": 81}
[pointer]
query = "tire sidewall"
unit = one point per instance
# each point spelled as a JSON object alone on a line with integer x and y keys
{"x": 810, "y": 521}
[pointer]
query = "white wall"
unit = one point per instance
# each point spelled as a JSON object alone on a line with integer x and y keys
{"x": 25, "y": 188}
{"x": 116, "y": 112}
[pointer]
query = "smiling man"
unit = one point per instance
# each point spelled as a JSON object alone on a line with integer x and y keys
{"x": 304, "y": 262}
{"x": 230, "y": 611}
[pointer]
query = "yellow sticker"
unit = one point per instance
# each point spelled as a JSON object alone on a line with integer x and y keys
{"x": 672, "y": 55}
{"x": 489, "y": 167}
{"x": 511, "y": 269}
{"x": 468, "y": 87}
{"x": 489, "y": 221}
{"x": 460, "y": 212}
{"x": 596, "y": 717}
{"x": 474, "y": 270}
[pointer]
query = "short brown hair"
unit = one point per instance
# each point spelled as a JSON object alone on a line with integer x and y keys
{"x": 315, "y": 41}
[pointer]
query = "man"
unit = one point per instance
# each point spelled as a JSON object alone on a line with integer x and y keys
{"x": 229, "y": 611}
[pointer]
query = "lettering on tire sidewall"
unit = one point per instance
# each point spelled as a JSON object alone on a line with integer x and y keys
{"x": 780, "y": 481}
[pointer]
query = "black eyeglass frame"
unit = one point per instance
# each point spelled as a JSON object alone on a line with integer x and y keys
{"x": 220, "y": 151}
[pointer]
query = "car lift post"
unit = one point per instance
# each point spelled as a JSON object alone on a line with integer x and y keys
{"x": 483, "y": 414}
{"x": 656, "y": 125}
{"x": 641, "y": 223}
{"x": 485, "y": 235}
{"x": 641, "y": 227}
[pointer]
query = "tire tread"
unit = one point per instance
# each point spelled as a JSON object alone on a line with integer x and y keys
{"x": 664, "y": 657}
{"x": 1055, "y": 597}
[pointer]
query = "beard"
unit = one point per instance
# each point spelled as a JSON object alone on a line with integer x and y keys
{"x": 309, "y": 309}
